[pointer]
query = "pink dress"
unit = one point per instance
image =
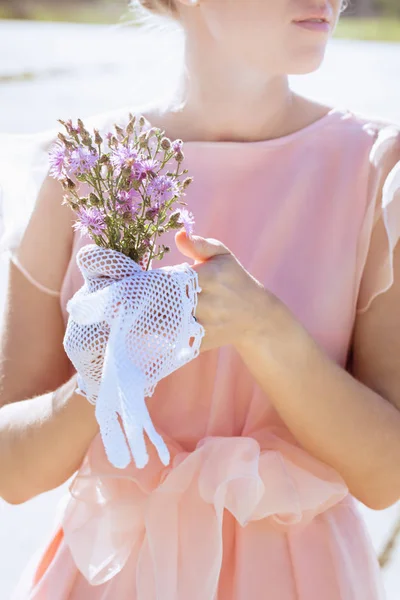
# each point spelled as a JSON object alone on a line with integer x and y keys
{"x": 242, "y": 512}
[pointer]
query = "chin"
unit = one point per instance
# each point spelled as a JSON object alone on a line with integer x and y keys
{"x": 304, "y": 65}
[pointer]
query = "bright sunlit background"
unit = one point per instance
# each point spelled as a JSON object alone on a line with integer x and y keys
{"x": 76, "y": 58}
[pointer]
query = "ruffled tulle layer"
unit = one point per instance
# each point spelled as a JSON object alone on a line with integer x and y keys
{"x": 234, "y": 514}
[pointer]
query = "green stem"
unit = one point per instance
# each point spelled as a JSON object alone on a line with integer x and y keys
{"x": 151, "y": 253}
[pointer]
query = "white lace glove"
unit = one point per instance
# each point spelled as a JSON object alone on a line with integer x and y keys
{"x": 129, "y": 328}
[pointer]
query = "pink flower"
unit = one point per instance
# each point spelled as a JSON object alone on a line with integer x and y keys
{"x": 177, "y": 145}
{"x": 82, "y": 159}
{"x": 90, "y": 221}
{"x": 128, "y": 200}
{"x": 187, "y": 219}
{"x": 161, "y": 189}
{"x": 122, "y": 157}
{"x": 138, "y": 171}
{"x": 57, "y": 160}
{"x": 150, "y": 165}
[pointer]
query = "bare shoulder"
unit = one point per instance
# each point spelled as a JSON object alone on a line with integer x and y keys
{"x": 46, "y": 245}
{"x": 310, "y": 109}
{"x": 32, "y": 357}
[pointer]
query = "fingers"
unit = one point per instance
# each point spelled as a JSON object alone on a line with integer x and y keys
{"x": 156, "y": 439}
{"x": 112, "y": 434}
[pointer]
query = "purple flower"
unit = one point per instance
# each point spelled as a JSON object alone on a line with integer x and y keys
{"x": 57, "y": 160}
{"x": 82, "y": 159}
{"x": 138, "y": 170}
{"x": 127, "y": 200}
{"x": 141, "y": 168}
{"x": 90, "y": 221}
{"x": 177, "y": 145}
{"x": 149, "y": 165}
{"x": 122, "y": 157}
{"x": 161, "y": 189}
{"x": 187, "y": 219}
{"x": 128, "y": 196}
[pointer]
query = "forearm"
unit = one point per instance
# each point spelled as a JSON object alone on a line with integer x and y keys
{"x": 43, "y": 441}
{"x": 335, "y": 417}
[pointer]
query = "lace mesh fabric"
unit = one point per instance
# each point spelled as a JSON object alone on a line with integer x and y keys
{"x": 129, "y": 328}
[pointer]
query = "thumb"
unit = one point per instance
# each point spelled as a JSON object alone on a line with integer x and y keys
{"x": 197, "y": 247}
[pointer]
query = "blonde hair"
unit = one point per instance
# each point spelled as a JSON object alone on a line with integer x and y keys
{"x": 154, "y": 13}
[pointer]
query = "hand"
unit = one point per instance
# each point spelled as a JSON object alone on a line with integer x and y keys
{"x": 117, "y": 341}
{"x": 231, "y": 298}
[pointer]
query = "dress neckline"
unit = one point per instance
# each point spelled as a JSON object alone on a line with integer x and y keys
{"x": 319, "y": 123}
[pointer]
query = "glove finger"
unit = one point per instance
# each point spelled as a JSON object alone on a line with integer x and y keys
{"x": 157, "y": 441}
{"x": 111, "y": 431}
{"x": 107, "y": 407}
{"x": 113, "y": 437}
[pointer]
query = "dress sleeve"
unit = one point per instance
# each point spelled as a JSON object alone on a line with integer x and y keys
{"x": 381, "y": 228}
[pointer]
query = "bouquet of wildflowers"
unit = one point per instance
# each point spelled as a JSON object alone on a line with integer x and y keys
{"x": 131, "y": 200}
{"x": 129, "y": 325}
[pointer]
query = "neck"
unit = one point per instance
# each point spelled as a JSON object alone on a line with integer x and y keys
{"x": 220, "y": 101}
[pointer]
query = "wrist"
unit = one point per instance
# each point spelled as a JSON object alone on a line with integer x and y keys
{"x": 274, "y": 328}
{"x": 68, "y": 396}
{"x": 261, "y": 321}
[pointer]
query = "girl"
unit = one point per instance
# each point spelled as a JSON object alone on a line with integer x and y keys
{"x": 291, "y": 412}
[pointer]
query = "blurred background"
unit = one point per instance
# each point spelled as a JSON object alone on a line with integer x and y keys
{"x": 81, "y": 57}
{"x": 368, "y": 19}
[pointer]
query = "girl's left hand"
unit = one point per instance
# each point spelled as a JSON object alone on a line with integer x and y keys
{"x": 231, "y": 300}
